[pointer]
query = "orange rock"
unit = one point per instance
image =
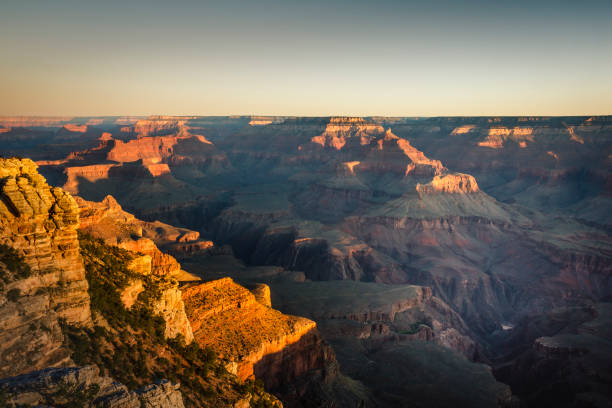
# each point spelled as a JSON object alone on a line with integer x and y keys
{"x": 40, "y": 223}
{"x": 75, "y": 128}
{"x": 228, "y": 318}
{"x": 450, "y": 183}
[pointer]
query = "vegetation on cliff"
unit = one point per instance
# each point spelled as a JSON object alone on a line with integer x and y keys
{"x": 129, "y": 344}
{"x": 107, "y": 272}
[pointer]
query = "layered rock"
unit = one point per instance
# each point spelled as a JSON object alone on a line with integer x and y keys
{"x": 84, "y": 386}
{"x": 40, "y": 223}
{"x": 498, "y": 135}
{"x": 107, "y": 220}
{"x": 339, "y": 131}
{"x": 376, "y": 312}
{"x": 264, "y": 343}
{"x": 155, "y": 126}
{"x": 171, "y": 308}
{"x": 150, "y": 149}
{"x": 449, "y": 183}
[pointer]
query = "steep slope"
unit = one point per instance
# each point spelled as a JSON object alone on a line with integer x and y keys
{"x": 371, "y": 325}
{"x": 266, "y": 345}
{"x": 43, "y": 275}
{"x": 263, "y": 342}
{"x": 49, "y": 280}
{"x": 566, "y": 360}
{"x": 107, "y": 220}
{"x": 130, "y": 340}
{"x": 545, "y": 163}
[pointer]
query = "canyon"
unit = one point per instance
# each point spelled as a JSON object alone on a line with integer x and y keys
{"x": 354, "y": 261}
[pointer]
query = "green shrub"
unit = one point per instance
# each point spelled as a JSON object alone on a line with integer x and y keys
{"x": 74, "y": 396}
{"x": 107, "y": 272}
{"x": 129, "y": 348}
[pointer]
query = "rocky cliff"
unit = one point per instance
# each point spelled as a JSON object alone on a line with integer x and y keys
{"x": 449, "y": 183}
{"x": 108, "y": 221}
{"x": 49, "y": 278}
{"x": 39, "y": 223}
{"x": 83, "y": 386}
{"x": 263, "y": 342}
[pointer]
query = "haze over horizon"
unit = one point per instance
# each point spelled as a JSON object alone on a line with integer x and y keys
{"x": 388, "y": 58}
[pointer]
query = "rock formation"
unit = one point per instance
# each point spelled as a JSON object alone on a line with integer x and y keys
{"x": 45, "y": 310}
{"x": 449, "y": 183}
{"x": 38, "y": 222}
{"x": 498, "y": 135}
{"x": 108, "y": 221}
{"x": 263, "y": 342}
{"x": 83, "y": 386}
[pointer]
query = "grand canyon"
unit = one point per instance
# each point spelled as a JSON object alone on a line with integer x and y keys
{"x": 283, "y": 261}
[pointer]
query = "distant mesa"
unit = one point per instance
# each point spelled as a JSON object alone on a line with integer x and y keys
{"x": 450, "y": 183}
{"x": 265, "y": 120}
{"x": 498, "y": 135}
{"x": 71, "y": 127}
{"x": 340, "y": 130}
{"x": 461, "y": 130}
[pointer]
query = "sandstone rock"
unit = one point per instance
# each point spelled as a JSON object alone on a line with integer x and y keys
{"x": 498, "y": 135}
{"x": 171, "y": 308}
{"x": 449, "y": 183}
{"x": 83, "y": 386}
{"x": 140, "y": 264}
{"x": 161, "y": 394}
{"x": 264, "y": 343}
{"x": 107, "y": 220}
{"x": 39, "y": 222}
{"x": 129, "y": 295}
{"x": 261, "y": 292}
{"x": 341, "y": 130}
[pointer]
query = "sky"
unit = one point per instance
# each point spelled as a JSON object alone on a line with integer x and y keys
{"x": 308, "y": 58}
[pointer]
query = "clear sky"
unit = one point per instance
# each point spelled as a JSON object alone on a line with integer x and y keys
{"x": 284, "y": 57}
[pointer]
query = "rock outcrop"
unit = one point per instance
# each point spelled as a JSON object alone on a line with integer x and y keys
{"x": 339, "y": 131}
{"x": 171, "y": 308}
{"x": 263, "y": 342}
{"x": 39, "y": 223}
{"x": 498, "y": 135}
{"x": 83, "y": 386}
{"x": 107, "y": 220}
{"x": 449, "y": 183}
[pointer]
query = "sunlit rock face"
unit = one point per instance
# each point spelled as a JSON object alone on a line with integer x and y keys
{"x": 108, "y": 221}
{"x": 339, "y": 131}
{"x": 39, "y": 222}
{"x": 498, "y": 135}
{"x": 242, "y": 327}
{"x": 450, "y": 183}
